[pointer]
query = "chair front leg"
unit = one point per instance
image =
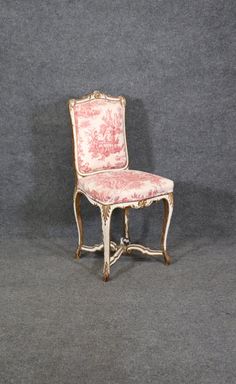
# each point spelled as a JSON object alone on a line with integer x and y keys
{"x": 77, "y": 212}
{"x": 106, "y": 212}
{"x": 168, "y": 210}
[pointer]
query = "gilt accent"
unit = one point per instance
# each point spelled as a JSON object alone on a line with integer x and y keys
{"x": 171, "y": 198}
{"x": 142, "y": 203}
{"x": 106, "y": 209}
{"x": 97, "y": 94}
{"x": 122, "y": 100}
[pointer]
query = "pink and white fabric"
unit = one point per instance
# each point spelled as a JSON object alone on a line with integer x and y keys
{"x": 124, "y": 186}
{"x": 99, "y": 130}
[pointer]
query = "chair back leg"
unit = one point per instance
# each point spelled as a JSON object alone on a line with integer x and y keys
{"x": 79, "y": 224}
{"x": 106, "y": 213}
{"x": 126, "y": 238}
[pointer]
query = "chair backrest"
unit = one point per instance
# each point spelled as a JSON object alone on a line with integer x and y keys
{"x": 98, "y": 122}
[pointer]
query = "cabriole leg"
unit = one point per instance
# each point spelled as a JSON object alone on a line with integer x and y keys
{"x": 77, "y": 212}
{"x": 168, "y": 209}
{"x": 106, "y": 212}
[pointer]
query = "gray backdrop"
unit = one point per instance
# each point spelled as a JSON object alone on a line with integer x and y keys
{"x": 174, "y": 62}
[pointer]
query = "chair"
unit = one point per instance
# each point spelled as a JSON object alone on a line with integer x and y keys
{"x": 103, "y": 176}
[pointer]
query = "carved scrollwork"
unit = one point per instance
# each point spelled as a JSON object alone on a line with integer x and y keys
{"x": 142, "y": 203}
{"x": 97, "y": 94}
{"x": 106, "y": 209}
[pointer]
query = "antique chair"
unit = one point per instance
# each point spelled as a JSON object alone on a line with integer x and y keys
{"x": 103, "y": 176}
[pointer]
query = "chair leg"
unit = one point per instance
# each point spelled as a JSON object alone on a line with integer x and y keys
{"x": 106, "y": 212}
{"x": 126, "y": 224}
{"x": 168, "y": 209}
{"x": 77, "y": 212}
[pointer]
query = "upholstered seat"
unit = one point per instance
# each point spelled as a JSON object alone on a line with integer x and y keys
{"x": 103, "y": 176}
{"x": 124, "y": 186}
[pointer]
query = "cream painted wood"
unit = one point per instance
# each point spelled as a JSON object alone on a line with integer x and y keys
{"x": 117, "y": 255}
{"x": 144, "y": 250}
{"x": 106, "y": 212}
{"x": 98, "y": 247}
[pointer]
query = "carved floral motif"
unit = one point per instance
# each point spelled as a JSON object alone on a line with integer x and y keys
{"x": 106, "y": 209}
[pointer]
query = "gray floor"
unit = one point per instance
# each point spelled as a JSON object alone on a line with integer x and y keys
{"x": 150, "y": 324}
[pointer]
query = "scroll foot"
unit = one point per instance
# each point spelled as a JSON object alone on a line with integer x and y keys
{"x": 167, "y": 258}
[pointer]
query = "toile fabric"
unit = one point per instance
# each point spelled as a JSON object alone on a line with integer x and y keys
{"x": 99, "y": 128}
{"x": 122, "y": 186}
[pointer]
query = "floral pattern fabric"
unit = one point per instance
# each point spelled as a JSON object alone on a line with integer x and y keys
{"x": 124, "y": 186}
{"x": 99, "y": 135}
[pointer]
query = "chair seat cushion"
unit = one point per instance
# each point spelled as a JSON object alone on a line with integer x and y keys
{"x": 114, "y": 187}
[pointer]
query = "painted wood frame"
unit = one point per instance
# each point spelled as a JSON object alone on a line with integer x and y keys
{"x": 125, "y": 246}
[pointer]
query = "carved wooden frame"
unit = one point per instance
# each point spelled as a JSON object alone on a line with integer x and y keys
{"x": 125, "y": 245}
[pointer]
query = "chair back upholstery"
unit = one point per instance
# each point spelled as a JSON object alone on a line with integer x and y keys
{"x": 98, "y": 122}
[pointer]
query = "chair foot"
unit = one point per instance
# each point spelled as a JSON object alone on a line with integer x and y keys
{"x": 167, "y": 258}
{"x": 106, "y": 273}
{"x": 106, "y": 277}
{"x": 77, "y": 254}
